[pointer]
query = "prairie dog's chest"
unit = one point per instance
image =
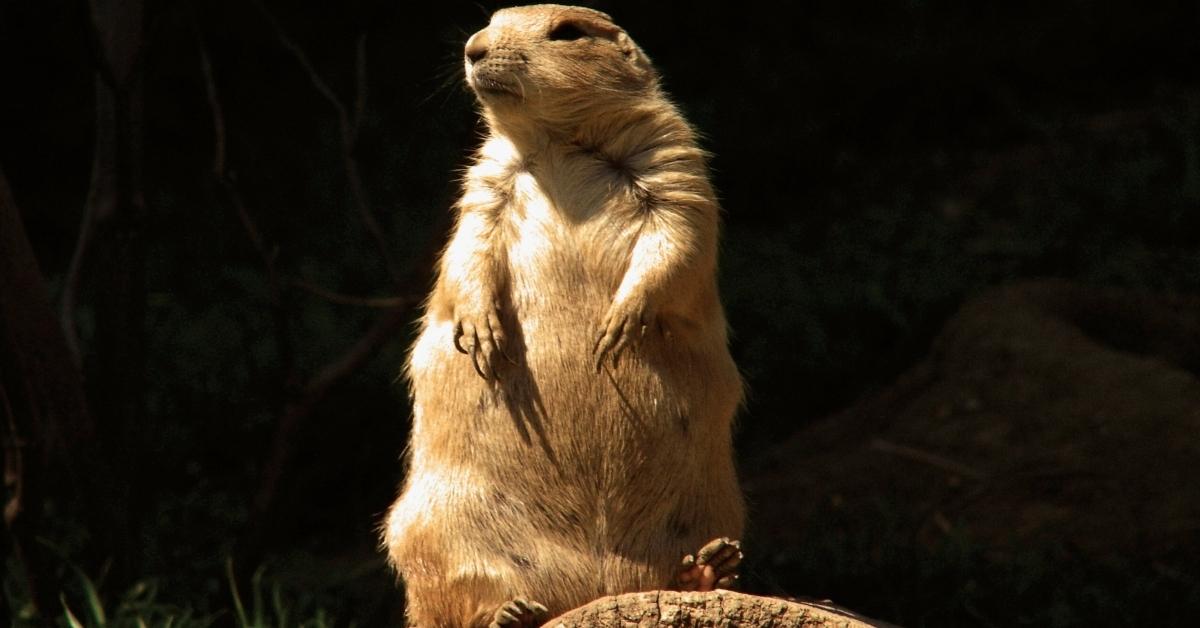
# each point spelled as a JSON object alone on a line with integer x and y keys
{"x": 566, "y": 211}
{"x": 573, "y": 188}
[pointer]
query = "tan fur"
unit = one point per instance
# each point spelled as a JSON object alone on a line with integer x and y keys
{"x": 587, "y": 215}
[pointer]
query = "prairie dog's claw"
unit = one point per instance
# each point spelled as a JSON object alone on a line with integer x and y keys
{"x": 713, "y": 567}
{"x": 623, "y": 326}
{"x": 482, "y": 338}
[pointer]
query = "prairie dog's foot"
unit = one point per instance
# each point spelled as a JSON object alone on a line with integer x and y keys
{"x": 519, "y": 613}
{"x": 713, "y": 567}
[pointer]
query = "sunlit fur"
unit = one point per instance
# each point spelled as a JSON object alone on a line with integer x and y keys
{"x": 588, "y": 207}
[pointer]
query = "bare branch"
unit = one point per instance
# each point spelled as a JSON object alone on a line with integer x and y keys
{"x": 348, "y": 127}
{"x": 103, "y": 62}
{"x": 360, "y": 86}
{"x": 219, "y": 170}
{"x": 350, "y": 164}
{"x": 268, "y": 255}
{"x": 13, "y": 463}
{"x": 214, "y": 105}
{"x": 298, "y": 411}
{"x": 100, "y": 204}
{"x": 302, "y": 400}
{"x": 116, "y": 38}
{"x": 318, "y": 83}
{"x": 70, "y": 294}
{"x": 926, "y": 457}
{"x": 345, "y": 299}
{"x": 15, "y": 501}
{"x": 101, "y": 197}
{"x": 358, "y": 353}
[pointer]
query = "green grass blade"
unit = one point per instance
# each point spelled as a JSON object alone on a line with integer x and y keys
{"x": 92, "y": 597}
{"x": 257, "y": 596}
{"x": 237, "y": 599}
{"x": 72, "y": 620}
{"x": 281, "y": 609}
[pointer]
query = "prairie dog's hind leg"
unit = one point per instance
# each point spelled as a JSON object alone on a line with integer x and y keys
{"x": 519, "y": 613}
{"x": 713, "y": 567}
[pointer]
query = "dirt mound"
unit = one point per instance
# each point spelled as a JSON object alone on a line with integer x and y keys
{"x": 1046, "y": 412}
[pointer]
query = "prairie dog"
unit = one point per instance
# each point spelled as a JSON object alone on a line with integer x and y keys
{"x": 572, "y": 387}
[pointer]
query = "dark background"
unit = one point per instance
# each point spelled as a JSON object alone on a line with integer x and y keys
{"x": 879, "y": 163}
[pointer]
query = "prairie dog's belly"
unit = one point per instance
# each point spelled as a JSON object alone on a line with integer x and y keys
{"x": 565, "y": 250}
{"x": 552, "y": 401}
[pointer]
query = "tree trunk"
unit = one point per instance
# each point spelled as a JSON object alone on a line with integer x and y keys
{"x": 44, "y": 418}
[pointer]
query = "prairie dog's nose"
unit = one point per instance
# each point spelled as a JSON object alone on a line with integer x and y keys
{"x": 477, "y": 46}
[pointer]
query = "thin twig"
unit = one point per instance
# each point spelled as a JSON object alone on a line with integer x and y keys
{"x": 348, "y": 128}
{"x": 345, "y": 299}
{"x": 214, "y": 105}
{"x": 298, "y": 411}
{"x": 101, "y": 199}
{"x": 301, "y": 400}
{"x": 70, "y": 293}
{"x": 99, "y": 206}
{"x": 13, "y": 464}
{"x": 103, "y": 65}
{"x": 219, "y": 169}
{"x": 275, "y": 285}
{"x": 363, "y": 205}
{"x": 14, "y": 505}
{"x": 360, "y": 84}
{"x": 268, "y": 255}
{"x": 929, "y": 458}
{"x": 357, "y": 354}
{"x": 301, "y": 58}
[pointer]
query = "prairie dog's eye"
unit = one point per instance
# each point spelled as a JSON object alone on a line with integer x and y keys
{"x": 566, "y": 31}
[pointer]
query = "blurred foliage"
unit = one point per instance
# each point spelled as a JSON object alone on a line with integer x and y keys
{"x": 879, "y": 162}
{"x": 269, "y": 605}
{"x": 863, "y": 556}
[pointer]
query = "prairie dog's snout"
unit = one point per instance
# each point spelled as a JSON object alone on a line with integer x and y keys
{"x": 477, "y": 47}
{"x": 539, "y": 56}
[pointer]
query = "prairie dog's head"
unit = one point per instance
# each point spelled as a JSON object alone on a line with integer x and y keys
{"x": 553, "y": 62}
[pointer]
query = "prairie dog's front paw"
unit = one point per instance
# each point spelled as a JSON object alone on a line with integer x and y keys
{"x": 479, "y": 334}
{"x": 624, "y": 324}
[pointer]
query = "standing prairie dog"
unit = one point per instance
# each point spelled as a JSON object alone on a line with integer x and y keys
{"x": 572, "y": 388}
